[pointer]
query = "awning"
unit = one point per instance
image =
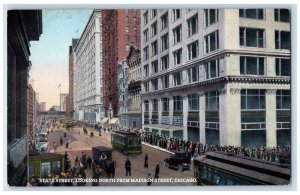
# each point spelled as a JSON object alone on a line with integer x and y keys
{"x": 114, "y": 121}
{"x": 104, "y": 120}
{"x": 164, "y": 127}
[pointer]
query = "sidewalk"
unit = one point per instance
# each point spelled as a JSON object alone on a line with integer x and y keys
{"x": 158, "y": 148}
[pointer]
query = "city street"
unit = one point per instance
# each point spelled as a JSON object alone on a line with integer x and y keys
{"x": 84, "y": 143}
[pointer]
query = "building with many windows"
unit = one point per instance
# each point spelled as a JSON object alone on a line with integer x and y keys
{"x": 134, "y": 117}
{"x": 88, "y": 71}
{"x": 217, "y": 76}
{"x": 121, "y": 28}
{"x": 123, "y": 92}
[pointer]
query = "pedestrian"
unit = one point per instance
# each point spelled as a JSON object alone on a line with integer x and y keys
{"x": 61, "y": 141}
{"x": 89, "y": 162}
{"x": 146, "y": 161}
{"x": 156, "y": 171}
{"x": 128, "y": 167}
{"x": 113, "y": 169}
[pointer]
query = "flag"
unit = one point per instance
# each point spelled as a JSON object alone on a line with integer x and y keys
{"x": 59, "y": 85}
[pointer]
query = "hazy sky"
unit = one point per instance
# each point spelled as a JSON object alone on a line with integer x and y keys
{"x": 50, "y": 55}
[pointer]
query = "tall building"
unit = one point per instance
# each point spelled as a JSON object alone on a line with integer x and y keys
{"x": 120, "y": 29}
{"x": 23, "y": 26}
{"x": 122, "y": 92}
{"x": 70, "y": 102}
{"x": 134, "y": 113}
{"x": 217, "y": 76}
{"x": 42, "y": 107}
{"x": 88, "y": 71}
{"x": 63, "y": 101}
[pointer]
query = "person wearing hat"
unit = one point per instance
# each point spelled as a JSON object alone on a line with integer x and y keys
{"x": 156, "y": 171}
{"x": 128, "y": 167}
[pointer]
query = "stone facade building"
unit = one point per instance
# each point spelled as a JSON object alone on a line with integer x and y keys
{"x": 123, "y": 92}
{"x": 88, "y": 71}
{"x": 134, "y": 116}
{"x": 23, "y": 26}
{"x": 217, "y": 76}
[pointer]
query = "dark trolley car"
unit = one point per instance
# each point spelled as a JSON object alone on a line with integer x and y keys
{"x": 127, "y": 142}
{"x": 220, "y": 168}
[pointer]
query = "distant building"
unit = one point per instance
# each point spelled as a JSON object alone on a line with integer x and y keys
{"x": 122, "y": 92}
{"x": 70, "y": 99}
{"x": 42, "y": 107}
{"x": 134, "y": 113}
{"x": 120, "y": 29}
{"x": 63, "y": 102}
{"x": 23, "y": 26}
{"x": 88, "y": 71}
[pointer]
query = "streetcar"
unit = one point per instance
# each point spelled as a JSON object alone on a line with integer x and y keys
{"x": 220, "y": 168}
{"x": 127, "y": 142}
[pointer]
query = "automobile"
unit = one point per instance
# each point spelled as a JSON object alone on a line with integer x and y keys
{"x": 42, "y": 145}
{"x": 180, "y": 161}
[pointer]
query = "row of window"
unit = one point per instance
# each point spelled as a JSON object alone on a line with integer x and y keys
{"x": 248, "y": 66}
{"x": 251, "y": 99}
{"x": 249, "y": 37}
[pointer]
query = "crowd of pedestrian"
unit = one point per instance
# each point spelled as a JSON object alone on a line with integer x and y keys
{"x": 274, "y": 154}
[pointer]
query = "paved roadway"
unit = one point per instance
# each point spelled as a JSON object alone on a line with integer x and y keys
{"x": 84, "y": 143}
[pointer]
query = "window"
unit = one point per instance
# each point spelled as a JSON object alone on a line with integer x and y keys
{"x": 154, "y": 67}
{"x": 177, "y": 78}
{"x": 212, "y": 101}
{"x": 177, "y": 34}
{"x": 282, "y": 40}
{"x": 252, "y": 13}
{"x": 211, "y": 41}
{"x": 146, "y": 106}
{"x": 146, "y": 70}
{"x": 153, "y": 29}
{"x": 283, "y": 67}
{"x": 178, "y": 103}
{"x": 193, "y": 102}
{"x": 134, "y": 20}
{"x": 176, "y": 14}
{"x": 283, "y": 99}
{"x": 193, "y": 74}
{"x": 164, "y": 42}
{"x": 127, "y": 47}
{"x": 127, "y": 38}
{"x": 146, "y": 85}
{"x": 126, "y": 20}
{"x": 146, "y": 35}
{"x": 212, "y": 69}
{"x": 252, "y": 65}
{"x": 165, "y": 81}
{"x": 164, "y": 21}
{"x": 177, "y": 56}
{"x": 192, "y": 25}
{"x": 145, "y": 18}
{"x": 251, "y": 37}
{"x": 154, "y": 13}
{"x": 155, "y": 105}
{"x": 154, "y": 47}
{"x": 211, "y": 16}
{"x": 165, "y": 104}
{"x": 154, "y": 84}
{"x": 146, "y": 53}
{"x": 282, "y": 15}
{"x": 165, "y": 62}
{"x": 127, "y": 29}
{"x": 193, "y": 50}
{"x": 253, "y": 99}
{"x": 134, "y": 29}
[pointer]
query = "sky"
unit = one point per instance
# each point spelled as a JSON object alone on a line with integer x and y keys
{"x": 50, "y": 55}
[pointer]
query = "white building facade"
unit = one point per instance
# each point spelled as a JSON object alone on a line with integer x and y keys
{"x": 88, "y": 72}
{"x": 217, "y": 76}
